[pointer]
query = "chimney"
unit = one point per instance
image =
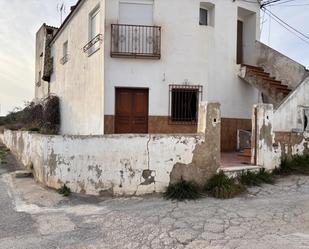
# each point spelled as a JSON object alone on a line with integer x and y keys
{"x": 73, "y": 7}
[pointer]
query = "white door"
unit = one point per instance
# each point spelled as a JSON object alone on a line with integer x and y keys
{"x": 136, "y": 39}
{"x": 136, "y": 13}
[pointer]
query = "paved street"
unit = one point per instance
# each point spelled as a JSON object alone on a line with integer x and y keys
{"x": 269, "y": 217}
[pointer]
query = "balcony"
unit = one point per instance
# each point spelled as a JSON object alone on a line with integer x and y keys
{"x": 136, "y": 41}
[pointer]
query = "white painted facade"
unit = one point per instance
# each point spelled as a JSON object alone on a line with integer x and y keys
{"x": 80, "y": 81}
{"x": 291, "y": 113}
{"x": 190, "y": 54}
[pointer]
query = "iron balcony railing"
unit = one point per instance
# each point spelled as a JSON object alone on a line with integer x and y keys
{"x": 137, "y": 41}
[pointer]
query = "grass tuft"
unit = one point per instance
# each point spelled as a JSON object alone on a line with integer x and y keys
{"x": 3, "y": 153}
{"x": 64, "y": 190}
{"x": 182, "y": 190}
{"x": 296, "y": 165}
{"x": 222, "y": 187}
{"x": 250, "y": 178}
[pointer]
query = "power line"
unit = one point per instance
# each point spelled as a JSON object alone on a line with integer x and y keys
{"x": 283, "y": 25}
{"x": 293, "y": 5}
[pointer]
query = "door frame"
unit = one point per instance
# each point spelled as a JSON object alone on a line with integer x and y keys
{"x": 240, "y": 43}
{"x": 131, "y": 88}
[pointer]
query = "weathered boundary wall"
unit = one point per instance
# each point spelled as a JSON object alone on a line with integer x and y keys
{"x": 290, "y": 114}
{"x": 269, "y": 146}
{"x": 121, "y": 164}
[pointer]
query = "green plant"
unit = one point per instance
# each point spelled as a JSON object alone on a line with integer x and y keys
{"x": 223, "y": 187}
{"x": 296, "y": 165}
{"x": 182, "y": 190}
{"x": 64, "y": 190}
{"x": 3, "y": 153}
{"x": 34, "y": 129}
{"x": 251, "y": 178}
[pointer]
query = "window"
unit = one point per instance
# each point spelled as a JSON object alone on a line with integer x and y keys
{"x": 184, "y": 103}
{"x": 203, "y": 16}
{"x": 65, "y": 55}
{"x": 94, "y": 24}
{"x": 207, "y": 14}
{"x": 38, "y": 83}
{"x": 95, "y": 37}
{"x": 306, "y": 119}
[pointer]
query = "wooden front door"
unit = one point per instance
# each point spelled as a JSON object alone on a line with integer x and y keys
{"x": 131, "y": 110}
{"x": 240, "y": 26}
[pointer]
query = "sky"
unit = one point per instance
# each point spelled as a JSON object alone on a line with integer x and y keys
{"x": 20, "y": 19}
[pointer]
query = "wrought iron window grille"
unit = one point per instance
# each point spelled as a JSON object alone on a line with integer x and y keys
{"x": 64, "y": 59}
{"x": 184, "y": 103}
{"x": 96, "y": 41}
{"x": 136, "y": 41}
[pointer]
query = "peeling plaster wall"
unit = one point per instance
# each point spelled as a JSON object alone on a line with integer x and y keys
{"x": 273, "y": 146}
{"x": 115, "y": 164}
{"x": 118, "y": 165}
{"x": 263, "y": 129}
{"x": 121, "y": 164}
{"x": 289, "y": 144}
{"x": 289, "y": 115}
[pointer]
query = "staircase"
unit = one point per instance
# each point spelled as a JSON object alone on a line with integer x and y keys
{"x": 274, "y": 92}
{"x": 272, "y": 89}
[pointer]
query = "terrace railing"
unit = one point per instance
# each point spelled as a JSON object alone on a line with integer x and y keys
{"x": 136, "y": 41}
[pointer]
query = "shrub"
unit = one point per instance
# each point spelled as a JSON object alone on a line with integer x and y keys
{"x": 43, "y": 117}
{"x": 182, "y": 190}
{"x": 64, "y": 190}
{"x": 251, "y": 178}
{"x": 3, "y": 153}
{"x": 222, "y": 187}
{"x": 51, "y": 115}
{"x": 296, "y": 165}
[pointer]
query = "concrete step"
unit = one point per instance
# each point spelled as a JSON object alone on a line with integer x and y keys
{"x": 23, "y": 174}
{"x": 237, "y": 170}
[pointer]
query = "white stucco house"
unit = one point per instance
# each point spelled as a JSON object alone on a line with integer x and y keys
{"x": 143, "y": 66}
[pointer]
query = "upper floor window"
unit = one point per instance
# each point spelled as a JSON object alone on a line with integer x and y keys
{"x": 207, "y": 14}
{"x": 306, "y": 119}
{"x": 203, "y": 16}
{"x": 95, "y": 37}
{"x": 38, "y": 83}
{"x": 65, "y": 53}
{"x": 94, "y": 23}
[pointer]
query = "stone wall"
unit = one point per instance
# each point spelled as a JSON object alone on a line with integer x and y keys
{"x": 121, "y": 164}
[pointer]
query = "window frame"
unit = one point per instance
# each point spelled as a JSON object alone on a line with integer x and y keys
{"x": 94, "y": 41}
{"x": 207, "y": 16}
{"x": 186, "y": 88}
{"x": 306, "y": 119}
{"x": 65, "y": 53}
